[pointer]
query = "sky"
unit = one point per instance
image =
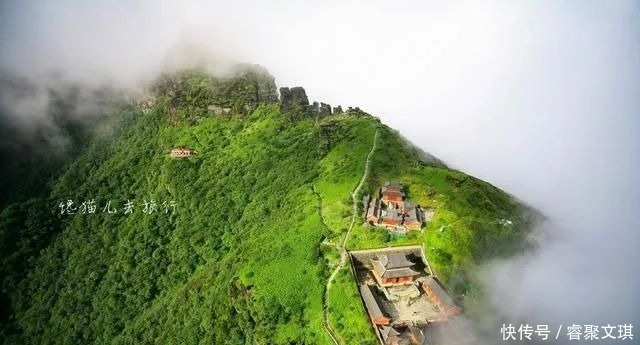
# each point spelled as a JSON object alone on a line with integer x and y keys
{"x": 540, "y": 98}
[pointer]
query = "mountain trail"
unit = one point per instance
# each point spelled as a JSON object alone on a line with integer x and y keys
{"x": 342, "y": 247}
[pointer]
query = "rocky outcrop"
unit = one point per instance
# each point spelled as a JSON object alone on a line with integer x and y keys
{"x": 146, "y": 103}
{"x": 261, "y": 84}
{"x": 356, "y": 112}
{"x": 294, "y": 100}
{"x": 194, "y": 94}
{"x": 325, "y": 109}
{"x": 320, "y": 109}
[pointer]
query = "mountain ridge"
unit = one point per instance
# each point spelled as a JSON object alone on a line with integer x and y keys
{"x": 245, "y": 257}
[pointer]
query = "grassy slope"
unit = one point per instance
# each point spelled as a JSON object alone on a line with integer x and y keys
{"x": 463, "y": 233}
{"x": 243, "y": 261}
{"x": 239, "y": 262}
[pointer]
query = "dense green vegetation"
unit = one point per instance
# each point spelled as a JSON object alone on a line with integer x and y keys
{"x": 245, "y": 257}
{"x": 472, "y": 222}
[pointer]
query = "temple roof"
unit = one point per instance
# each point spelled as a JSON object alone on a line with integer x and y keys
{"x": 395, "y": 260}
{"x": 413, "y": 214}
{"x": 371, "y": 303}
{"x": 393, "y": 189}
{"x": 434, "y": 284}
{"x": 402, "y": 335}
{"x": 393, "y": 265}
{"x": 389, "y": 331}
{"x": 392, "y": 192}
{"x": 399, "y": 272}
{"x": 393, "y": 185}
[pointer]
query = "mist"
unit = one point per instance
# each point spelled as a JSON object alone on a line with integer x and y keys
{"x": 540, "y": 98}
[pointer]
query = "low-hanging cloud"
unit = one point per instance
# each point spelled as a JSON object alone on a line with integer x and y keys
{"x": 538, "y": 97}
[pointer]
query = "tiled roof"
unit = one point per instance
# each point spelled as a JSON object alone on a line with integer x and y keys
{"x": 399, "y": 272}
{"x": 397, "y": 260}
{"x": 371, "y": 303}
{"x": 434, "y": 284}
{"x": 401, "y": 335}
{"x": 392, "y": 189}
{"x": 392, "y": 192}
{"x": 393, "y": 265}
{"x": 393, "y": 184}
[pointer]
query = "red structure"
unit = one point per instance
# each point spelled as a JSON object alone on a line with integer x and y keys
{"x": 437, "y": 294}
{"x": 412, "y": 216}
{"x": 392, "y": 218}
{"x": 373, "y": 308}
{"x": 390, "y": 209}
{"x": 393, "y": 192}
{"x": 392, "y": 269}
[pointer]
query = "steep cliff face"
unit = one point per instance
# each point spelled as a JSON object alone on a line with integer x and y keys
{"x": 192, "y": 95}
{"x": 244, "y": 232}
{"x": 294, "y": 100}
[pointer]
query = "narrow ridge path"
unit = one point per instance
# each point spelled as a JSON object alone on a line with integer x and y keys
{"x": 343, "y": 246}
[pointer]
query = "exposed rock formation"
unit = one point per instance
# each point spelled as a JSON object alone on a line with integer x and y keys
{"x": 294, "y": 100}
{"x": 262, "y": 84}
{"x": 314, "y": 108}
{"x": 356, "y": 111}
{"x": 325, "y": 109}
{"x": 195, "y": 93}
{"x": 146, "y": 103}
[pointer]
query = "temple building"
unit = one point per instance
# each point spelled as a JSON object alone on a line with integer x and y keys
{"x": 405, "y": 301}
{"x": 391, "y": 210}
{"x": 372, "y": 209}
{"x": 437, "y": 294}
{"x": 181, "y": 152}
{"x": 393, "y": 192}
{"x": 390, "y": 216}
{"x": 412, "y": 216}
{"x": 402, "y": 335}
{"x": 373, "y": 307}
{"x": 392, "y": 269}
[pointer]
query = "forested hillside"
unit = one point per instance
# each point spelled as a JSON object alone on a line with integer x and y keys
{"x": 241, "y": 250}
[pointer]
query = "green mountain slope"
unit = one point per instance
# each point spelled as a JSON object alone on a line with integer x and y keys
{"x": 260, "y": 210}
